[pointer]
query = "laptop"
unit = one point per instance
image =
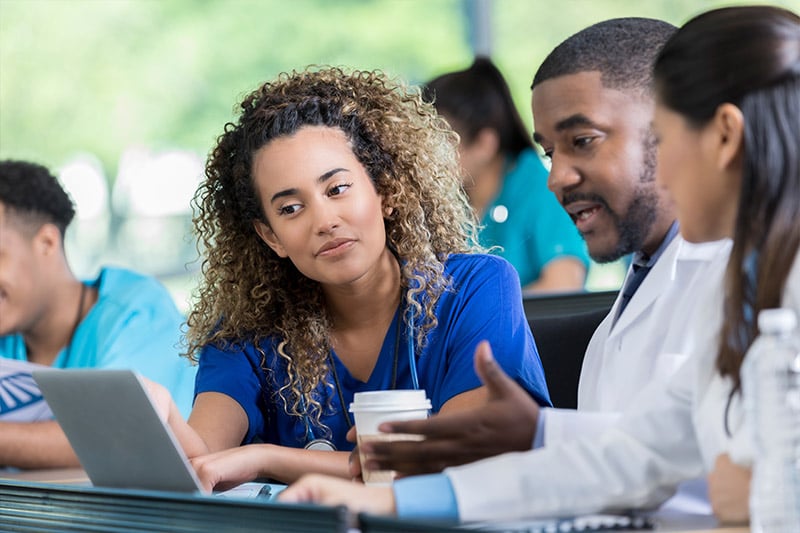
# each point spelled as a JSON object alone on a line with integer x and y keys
{"x": 117, "y": 434}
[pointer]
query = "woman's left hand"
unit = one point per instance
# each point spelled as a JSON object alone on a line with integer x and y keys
{"x": 228, "y": 468}
{"x": 729, "y": 491}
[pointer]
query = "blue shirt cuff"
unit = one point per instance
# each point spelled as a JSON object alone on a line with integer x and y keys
{"x": 430, "y": 497}
{"x": 538, "y": 439}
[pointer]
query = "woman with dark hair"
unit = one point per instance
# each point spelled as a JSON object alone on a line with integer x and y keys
{"x": 727, "y": 121}
{"x": 752, "y": 95}
{"x": 340, "y": 258}
{"x": 506, "y": 181}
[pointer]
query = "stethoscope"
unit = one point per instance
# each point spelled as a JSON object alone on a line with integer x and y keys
{"x": 322, "y": 444}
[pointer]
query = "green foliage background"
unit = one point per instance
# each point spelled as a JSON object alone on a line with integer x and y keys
{"x": 99, "y": 75}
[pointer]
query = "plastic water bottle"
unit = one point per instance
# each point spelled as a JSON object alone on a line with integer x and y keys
{"x": 771, "y": 387}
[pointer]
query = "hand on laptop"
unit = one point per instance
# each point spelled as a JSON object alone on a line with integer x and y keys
{"x": 228, "y": 468}
{"x": 326, "y": 490}
{"x": 506, "y": 422}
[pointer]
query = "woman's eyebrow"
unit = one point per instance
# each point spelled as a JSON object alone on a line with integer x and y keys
{"x": 292, "y": 191}
{"x": 329, "y": 174}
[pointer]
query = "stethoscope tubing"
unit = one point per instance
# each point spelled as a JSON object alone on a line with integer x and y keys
{"x": 314, "y": 443}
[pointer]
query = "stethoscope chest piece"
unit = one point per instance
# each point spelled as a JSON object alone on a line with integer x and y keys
{"x": 322, "y": 445}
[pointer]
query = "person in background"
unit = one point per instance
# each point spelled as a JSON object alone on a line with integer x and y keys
{"x": 49, "y": 317}
{"x": 339, "y": 260}
{"x": 506, "y": 181}
{"x": 727, "y": 93}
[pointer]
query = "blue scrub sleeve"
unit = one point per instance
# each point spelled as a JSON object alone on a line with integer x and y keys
{"x": 430, "y": 497}
{"x": 230, "y": 372}
{"x": 490, "y": 308}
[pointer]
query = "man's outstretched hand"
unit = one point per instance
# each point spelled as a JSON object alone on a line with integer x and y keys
{"x": 505, "y": 423}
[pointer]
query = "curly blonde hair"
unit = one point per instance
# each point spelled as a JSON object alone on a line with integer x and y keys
{"x": 248, "y": 294}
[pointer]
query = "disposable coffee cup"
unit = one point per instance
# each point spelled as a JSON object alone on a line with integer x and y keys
{"x": 371, "y": 409}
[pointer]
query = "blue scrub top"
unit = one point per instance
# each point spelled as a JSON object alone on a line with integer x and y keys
{"x": 485, "y": 302}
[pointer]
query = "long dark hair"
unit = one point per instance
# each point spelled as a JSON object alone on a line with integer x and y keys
{"x": 749, "y": 57}
{"x": 478, "y": 98}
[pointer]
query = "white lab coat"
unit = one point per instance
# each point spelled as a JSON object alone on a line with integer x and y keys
{"x": 647, "y": 343}
{"x": 674, "y": 431}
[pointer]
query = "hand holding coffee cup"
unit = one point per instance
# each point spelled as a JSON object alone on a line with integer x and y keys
{"x": 371, "y": 409}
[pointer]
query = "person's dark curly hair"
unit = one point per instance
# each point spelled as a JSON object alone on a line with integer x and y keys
{"x": 33, "y": 196}
{"x": 248, "y": 293}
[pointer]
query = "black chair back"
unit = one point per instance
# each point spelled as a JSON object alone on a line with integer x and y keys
{"x": 562, "y": 341}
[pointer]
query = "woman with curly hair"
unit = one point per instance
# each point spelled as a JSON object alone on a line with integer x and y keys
{"x": 340, "y": 257}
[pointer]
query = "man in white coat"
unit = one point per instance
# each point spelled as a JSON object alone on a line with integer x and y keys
{"x": 592, "y": 105}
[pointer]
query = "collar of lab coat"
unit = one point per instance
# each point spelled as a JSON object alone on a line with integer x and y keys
{"x": 678, "y": 255}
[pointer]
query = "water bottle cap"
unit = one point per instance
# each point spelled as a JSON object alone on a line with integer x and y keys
{"x": 776, "y": 320}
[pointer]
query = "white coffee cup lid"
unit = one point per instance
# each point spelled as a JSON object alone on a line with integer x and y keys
{"x": 390, "y": 400}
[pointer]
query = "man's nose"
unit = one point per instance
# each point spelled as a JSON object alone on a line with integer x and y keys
{"x": 563, "y": 175}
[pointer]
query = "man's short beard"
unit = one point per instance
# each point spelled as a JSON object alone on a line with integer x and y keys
{"x": 638, "y": 220}
{"x": 635, "y": 226}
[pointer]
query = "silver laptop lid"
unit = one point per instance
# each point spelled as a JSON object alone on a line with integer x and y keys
{"x": 115, "y": 430}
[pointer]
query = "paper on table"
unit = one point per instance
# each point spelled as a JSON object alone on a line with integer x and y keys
{"x": 252, "y": 490}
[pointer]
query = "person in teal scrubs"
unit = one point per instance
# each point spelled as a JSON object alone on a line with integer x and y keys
{"x": 507, "y": 182}
{"x": 120, "y": 319}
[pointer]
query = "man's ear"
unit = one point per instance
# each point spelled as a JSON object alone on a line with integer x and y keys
{"x": 728, "y": 127}
{"x": 268, "y": 236}
{"x": 47, "y": 240}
